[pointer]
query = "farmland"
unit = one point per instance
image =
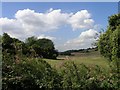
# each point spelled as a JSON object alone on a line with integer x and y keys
{"x": 89, "y": 59}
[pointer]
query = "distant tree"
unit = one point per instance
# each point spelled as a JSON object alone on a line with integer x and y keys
{"x": 30, "y": 41}
{"x": 68, "y": 52}
{"x": 46, "y": 48}
{"x": 29, "y": 44}
{"x": 41, "y": 47}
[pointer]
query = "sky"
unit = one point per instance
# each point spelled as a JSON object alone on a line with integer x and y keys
{"x": 69, "y": 25}
{"x": 60, "y": 1}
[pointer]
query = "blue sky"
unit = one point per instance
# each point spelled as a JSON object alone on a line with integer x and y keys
{"x": 64, "y": 35}
{"x": 100, "y": 10}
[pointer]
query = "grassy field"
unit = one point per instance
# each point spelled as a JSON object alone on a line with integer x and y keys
{"x": 89, "y": 59}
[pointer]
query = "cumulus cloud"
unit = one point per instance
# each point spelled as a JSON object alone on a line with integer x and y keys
{"x": 47, "y": 37}
{"x": 84, "y": 40}
{"x": 12, "y": 27}
{"x": 81, "y": 20}
{"x": 41, "y": 21}
{"x": 28, "y": 22}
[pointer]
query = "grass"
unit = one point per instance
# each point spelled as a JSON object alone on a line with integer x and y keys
{"x": 90, "y": 59}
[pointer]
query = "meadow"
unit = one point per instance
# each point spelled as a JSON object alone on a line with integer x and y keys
{"x": 89, "y": 59}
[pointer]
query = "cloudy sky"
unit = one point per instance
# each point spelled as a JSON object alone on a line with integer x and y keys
{"x": 68, "y": 25}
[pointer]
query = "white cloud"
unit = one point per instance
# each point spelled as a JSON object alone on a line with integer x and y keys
{"x": 84, "y": 40}
{"x": 81, "y": 20}
{"x": 28, "y": 22}
{"x": 11, "y": 26}
{"x": 41, "y": 21}
{"x": 47, "y": 37}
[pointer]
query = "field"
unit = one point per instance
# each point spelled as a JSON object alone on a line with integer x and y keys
{"x": 89, "y": 59}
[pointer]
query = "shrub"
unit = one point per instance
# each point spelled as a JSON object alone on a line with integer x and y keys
{"x": 30, "y": 74}
{"x": 81, "y": 77}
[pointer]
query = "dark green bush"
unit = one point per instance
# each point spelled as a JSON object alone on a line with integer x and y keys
{"x": 29, "y": 74}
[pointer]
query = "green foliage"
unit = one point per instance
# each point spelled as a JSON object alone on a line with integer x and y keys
{"x": 74, "y": 77}
{"x": 115, "y": 42}
{"x": 41, "y": 47}
{"x": 29, "y": 74}
{"x": 0, "y": 62}
{"x": 109, "y": 42}
{"x": 105, "y": 45}
{"x": 32, "y": 47}
{"x": 81, "y": 77}
{"x": 7, "y": 44}
{"x": 114, "y": 21}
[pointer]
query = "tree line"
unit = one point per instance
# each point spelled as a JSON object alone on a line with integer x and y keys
{"x": 69, "y": 52}
{"x": 32, "y": 47}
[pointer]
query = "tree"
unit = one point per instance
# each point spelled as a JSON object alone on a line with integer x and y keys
{"x": 41, "y": 47}
{"x": 32, "y": 47}
{"x": 30, "y": 41}
{"x": 47, "y": 48}
{"x": 109, "y": 42}
{"x": 7, "y": 44}
{"x": 29, "y": 46}
{"x": 115, "y": 43}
